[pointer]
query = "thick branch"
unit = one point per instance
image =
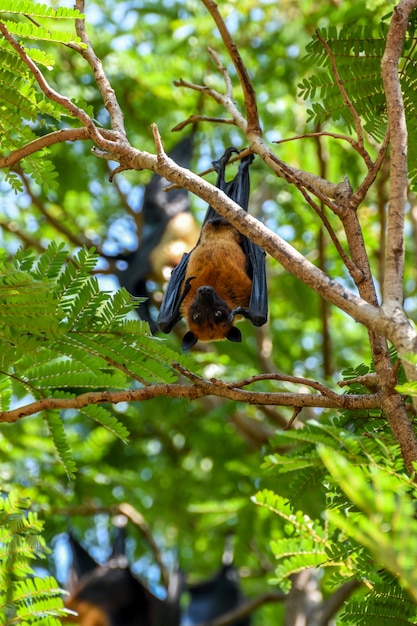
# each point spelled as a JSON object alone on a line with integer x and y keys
{"x": 394, "y": 271}
{"x": 279, "y": 249}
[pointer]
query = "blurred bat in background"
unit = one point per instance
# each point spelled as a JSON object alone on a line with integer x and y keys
{"x": 168, "y": 230}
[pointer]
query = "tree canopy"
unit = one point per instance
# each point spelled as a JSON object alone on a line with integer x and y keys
{"x": 300, "y": 440}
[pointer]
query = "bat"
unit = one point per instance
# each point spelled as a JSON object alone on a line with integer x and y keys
{"x": 111, "y": 595}
{"x": 168, "y": 230}
{"x": 223, "y": 277}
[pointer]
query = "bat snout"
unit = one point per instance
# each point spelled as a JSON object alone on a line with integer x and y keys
{"x": 207, "y": 295}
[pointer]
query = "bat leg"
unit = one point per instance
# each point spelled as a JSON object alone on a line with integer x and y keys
{"x": 258, "y": 318}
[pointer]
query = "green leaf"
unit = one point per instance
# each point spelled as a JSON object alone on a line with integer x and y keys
{"x": 385, "y": 522}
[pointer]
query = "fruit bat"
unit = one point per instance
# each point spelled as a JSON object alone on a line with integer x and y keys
{"x": 223, "y": 276}
{"x": 111, "y": 595}
{"x": 168, "y": 230}
{"x": 214, "y": 597}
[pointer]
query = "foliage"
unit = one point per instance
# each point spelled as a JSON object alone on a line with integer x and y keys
{"x": 21, "y": 103}
{"x": 24, "y": 597}
{"x": 61, "y": 334}
{"x": 365, "y": 526}
{"x": 357, "y": 52}
{"x": 342, "y": 501}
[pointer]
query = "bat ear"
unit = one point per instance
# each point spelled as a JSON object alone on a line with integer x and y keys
{"x": 234, "y": 334}
{"x": 189, "y": 340}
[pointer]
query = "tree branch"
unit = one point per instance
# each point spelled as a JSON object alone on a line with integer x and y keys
{"x": 58, "y": 136}
{"x": 126, "y": 509}
{"x": 358, "y": 126}
{"x": 58, "y": 224}
{"x": 245, "y": 609}
{"x": 49, "y": 92}
{"x": 106, "y": 90}
{"x": 254, "y": 127}
{"x": 394, "y": 270}
{"x": 199, "y": 389}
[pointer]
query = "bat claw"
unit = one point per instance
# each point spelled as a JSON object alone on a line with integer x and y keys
{"x": 238, "y": 311}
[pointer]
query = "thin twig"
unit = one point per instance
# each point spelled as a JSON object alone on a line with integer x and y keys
{"x": 193, "y": 119}
{"x": 297, "y": 410}
{"x": 222, "y": 99}
{"x": 138, "y": 520}
{"x": 223, "y": 71}
{"x": 58, "y": 224}
{"x": 245, "y": 609}
{"x": 249, "y": 94}
{"x": 370, "y": 177}
{"x": 355, "y": 145}
{"x": 296, "y": 380}
{"x": 361, "y": 149}
{"x": 49, "y": 92}
{"x": 126, "y": 509}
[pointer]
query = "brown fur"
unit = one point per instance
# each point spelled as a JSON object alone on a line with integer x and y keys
{"x": 88, "y": 614}
{"x": 217, "y": 261}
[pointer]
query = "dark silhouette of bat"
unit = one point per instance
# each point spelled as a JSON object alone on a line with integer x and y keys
{"x": 215, "y": 596}
{"x": 222, "y": 277}
{"x": 112, "y": 596}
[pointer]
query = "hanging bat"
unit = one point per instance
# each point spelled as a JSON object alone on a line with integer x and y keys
{"x": 223, "y": 276}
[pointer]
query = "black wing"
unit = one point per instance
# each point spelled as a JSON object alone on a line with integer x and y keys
{"x": 257, "y": 311}
{"x": 169, "y": 313}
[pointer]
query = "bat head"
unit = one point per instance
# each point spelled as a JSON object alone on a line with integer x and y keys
{"x": 209, "y": 319}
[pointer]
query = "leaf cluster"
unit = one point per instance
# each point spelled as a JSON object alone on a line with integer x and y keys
{"x": 24, "y": 109}
{"x": 357, "y": 51}
{"x": 366, "y": 527}
{"x": 61, "y": 335}
{"x": 24, "y": 597}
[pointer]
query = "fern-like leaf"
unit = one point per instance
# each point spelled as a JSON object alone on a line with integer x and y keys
{"x": 25, "y": 599}
{"x": 387, "y": 603}
{"x": 20, "y": 97}
{"x": 357, "y": 51}
{"x": 60, "y": 336}
{"x": 58, "y": 436}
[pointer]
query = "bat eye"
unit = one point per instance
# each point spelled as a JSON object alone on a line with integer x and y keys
{"x": 196, "y": 317}
{"x": 218, "y": 314}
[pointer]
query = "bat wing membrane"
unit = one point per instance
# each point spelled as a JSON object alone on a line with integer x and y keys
{"x": 169, "y": 313}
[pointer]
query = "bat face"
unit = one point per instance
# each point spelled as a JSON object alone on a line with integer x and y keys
{"x": 209, "y": 319}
